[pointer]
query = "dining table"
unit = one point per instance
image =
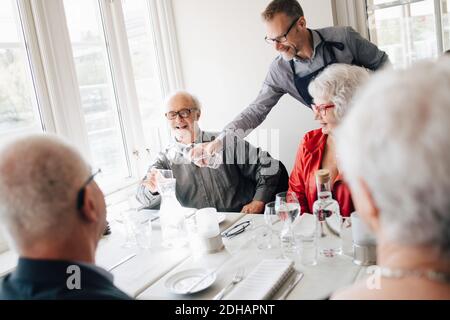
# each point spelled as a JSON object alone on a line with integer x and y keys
{"x": 145, "y": 273}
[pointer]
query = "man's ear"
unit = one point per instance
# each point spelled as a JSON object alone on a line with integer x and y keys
{"x": 199, "y": 113}
{"x": 89, "y": 209}
{"x": 367, "y": 207}
{"x": 302, "y": 22}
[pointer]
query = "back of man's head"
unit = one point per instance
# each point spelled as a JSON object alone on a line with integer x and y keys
{"x": 39, "y": 179}
{"x": 291, "y": 8}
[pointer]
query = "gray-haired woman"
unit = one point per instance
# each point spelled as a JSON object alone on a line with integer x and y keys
{"x": 332, "y": 92}
{"x": 394, "y": 148}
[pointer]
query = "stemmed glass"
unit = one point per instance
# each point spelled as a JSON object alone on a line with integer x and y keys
{"x": 266, "y": 233}
{"x": 287, "y": 208}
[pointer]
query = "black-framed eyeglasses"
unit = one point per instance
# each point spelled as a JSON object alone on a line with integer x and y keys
{"x": 237, "y": 229}
{"x": 81, "y": 192}
{"x": 282, "y": 38}
{"x": 183, "y": 113}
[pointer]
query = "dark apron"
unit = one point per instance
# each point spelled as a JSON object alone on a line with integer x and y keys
{"x": 302, "y": 83}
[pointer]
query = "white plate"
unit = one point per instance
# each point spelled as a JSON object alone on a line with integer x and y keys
{"x": 221, "y": 217}
{"x": 181, "y": 281}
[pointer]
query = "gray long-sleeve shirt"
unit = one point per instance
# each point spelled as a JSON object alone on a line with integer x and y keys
{"x": 280, "y": 78}
{"x": 247, "y": 174}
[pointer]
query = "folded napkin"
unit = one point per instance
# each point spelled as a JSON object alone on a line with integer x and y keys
{"x": 264, "y": 281}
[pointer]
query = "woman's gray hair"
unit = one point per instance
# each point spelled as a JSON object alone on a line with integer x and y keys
{"x": 39, "y": 179}
{"x": 397, "y": 139}
{"x": 338, "y": 84}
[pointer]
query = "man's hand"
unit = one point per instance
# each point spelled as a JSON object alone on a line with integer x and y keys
{"x": 198, "y": 154}
{"x": 254, "y": 207}
{"x": 203, "y": 151}
{"x": 151, "y": 181}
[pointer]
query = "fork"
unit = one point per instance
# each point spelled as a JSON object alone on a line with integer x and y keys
{"x": 238, "y": 277}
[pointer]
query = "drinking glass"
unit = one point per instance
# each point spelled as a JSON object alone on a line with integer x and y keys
{"x": 164, "y": 174}
{"x": 287, "y": 208}
{"x": 138, "y": 230}
{"x": 165, "y": 181}
{"x": 306, "y": 237}
{"x": 265, "y": 233}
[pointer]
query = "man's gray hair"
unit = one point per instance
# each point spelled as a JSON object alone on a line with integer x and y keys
{"x": 291, "y": 8}
{"x": 397, "y": 139}
{"x": 39, "y": 179}
{"x": 195, "y": 101}
{"x": 338, "y": 83}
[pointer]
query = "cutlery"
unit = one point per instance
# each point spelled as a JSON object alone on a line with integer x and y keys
{"x": 238, "y": 277}
{"x": 192, "y": 287}
{"x": 151, "y": 219}
{"x": 291, "y": 286}
{"x": 131, "y": 256}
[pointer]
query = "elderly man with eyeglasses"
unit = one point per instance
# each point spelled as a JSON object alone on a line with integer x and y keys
{"x": 55, "y": 214}
{"x": 304, "y": 54}
{"x": 242, "y": 180}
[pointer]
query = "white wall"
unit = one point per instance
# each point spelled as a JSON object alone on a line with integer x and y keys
{"x": 224, "y": 60}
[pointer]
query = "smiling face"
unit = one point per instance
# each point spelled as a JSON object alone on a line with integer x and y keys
{"x": 183, "y": 129}
{"x": 326, "y": 118}
{"x": 295, "y": 39}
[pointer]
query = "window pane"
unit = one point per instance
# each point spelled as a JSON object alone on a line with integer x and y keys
{"x": 145, "y": 66}
{"x": 19, "y": 112}
{"x": 100, "y": 107}
{"x": 445, "y": 5}
{"x": 406, "y": 32}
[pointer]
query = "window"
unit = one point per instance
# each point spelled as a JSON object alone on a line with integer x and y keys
{"x": 446, "y": 23}
{"x": 19, "y": 109}
{"x": 98, "y": 95}
{"x": 93, "y": 72}
{"x": 409, "y": 30}
{"x": 141, "y": 43}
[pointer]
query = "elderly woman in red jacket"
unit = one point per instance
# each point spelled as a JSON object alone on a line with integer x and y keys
{"x": 332, "y": 92}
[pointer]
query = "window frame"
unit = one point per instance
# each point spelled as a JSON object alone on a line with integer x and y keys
{"x": 355, "y": 13}
{"x": 27, "y": 42}
{"x": 49, "y": 51}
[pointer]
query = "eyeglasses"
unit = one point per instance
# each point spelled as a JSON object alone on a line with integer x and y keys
{"x": 282, "y": 38}
{"x": 322, "y": 108}
{"x": 183, "y": 113}
{"x": 81, "y": 192}
{"x": 237, "y": 229}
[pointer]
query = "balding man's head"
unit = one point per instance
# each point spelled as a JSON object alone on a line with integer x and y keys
{"x": 183, "y": 110}
{"x": 39, "y": 180}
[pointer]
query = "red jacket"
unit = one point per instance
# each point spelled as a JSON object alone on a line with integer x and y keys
{"x": 302, "y": 180}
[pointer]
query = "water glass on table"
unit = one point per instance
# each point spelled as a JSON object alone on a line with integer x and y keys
{"x": 138, "y": 229}
{"x": 287, "y": 208}
{"x": 306, "y": 239}
{"x": 264, "y": 236}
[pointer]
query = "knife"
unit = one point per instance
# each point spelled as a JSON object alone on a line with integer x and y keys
{"x": 131, "y": 256}
{"x": 291, "y": 286}
{"x": 192, "y": 287}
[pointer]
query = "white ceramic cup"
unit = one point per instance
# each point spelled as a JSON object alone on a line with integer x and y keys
{"x": 364, "y": 242}
{"x": 361, "y": 233}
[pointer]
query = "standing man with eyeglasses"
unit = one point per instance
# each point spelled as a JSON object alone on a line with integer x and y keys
{"x": 304, "y": 53}
{"x": 243, "y": 181}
